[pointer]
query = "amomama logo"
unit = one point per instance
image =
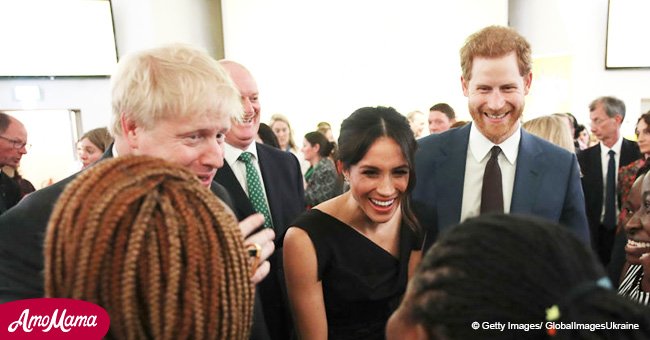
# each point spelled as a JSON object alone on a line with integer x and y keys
{"x": 52, "y": 318}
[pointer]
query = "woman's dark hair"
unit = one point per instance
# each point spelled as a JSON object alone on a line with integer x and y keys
{"x": 362, "y": 128}
{"x": 267, "y": 136}
{"x": 645, "y": 117}
{"x": 646, "y": 165}
{"x": 326, "y": 148}
{"x": 508, "y": 268}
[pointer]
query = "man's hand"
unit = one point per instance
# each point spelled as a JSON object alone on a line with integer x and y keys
{"x": 264, "y": 238}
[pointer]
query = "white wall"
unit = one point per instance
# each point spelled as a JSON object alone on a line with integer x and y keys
{"x": 138, "y": 24}
{"x": 577, "y": 29}
{"x": 320, "y": 61}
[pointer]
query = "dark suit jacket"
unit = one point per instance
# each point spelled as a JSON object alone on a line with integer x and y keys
{"x": 282, "y": 181}
{"x": 547, "y": 182}
{"x": 592, "y": 177}
{"x": 285, "y": 195}
{"x": 21, "y": 244}
{"x": 10, "y": 192}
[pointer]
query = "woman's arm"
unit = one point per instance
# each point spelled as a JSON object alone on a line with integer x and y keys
{"x": 303, "y": 287}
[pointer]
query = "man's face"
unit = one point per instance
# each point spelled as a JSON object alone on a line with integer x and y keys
{"x": 15, "y": 135}
{"x": 496, "y": 94}
{"x": 194, "y": 142}
{"x": 606, "y": 128}
{"x": 438, "y": 122}
{"x": 243, "y": 133}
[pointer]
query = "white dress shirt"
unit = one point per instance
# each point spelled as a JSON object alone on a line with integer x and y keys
{"x": 231, "y": 155}
{"x": 478, "y": 154}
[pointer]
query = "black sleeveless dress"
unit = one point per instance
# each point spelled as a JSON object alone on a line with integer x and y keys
{"x": 362, "y": 283}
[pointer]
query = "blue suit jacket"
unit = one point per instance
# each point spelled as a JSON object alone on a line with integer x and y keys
{"x": 547, "y": 182}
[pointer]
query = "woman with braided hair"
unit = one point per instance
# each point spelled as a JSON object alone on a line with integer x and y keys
{"x": 144, "y": 239}
{"x": 525, "y": 277}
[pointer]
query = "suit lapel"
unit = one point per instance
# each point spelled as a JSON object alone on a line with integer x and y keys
{"x": 227, "y": 178}
{"x": 598, "y": 165}
{"x": 266, "y": 164}
{"x": 629, "y": 153}
{"x": 530, "y": 164}
{"x": 451, "y": 177}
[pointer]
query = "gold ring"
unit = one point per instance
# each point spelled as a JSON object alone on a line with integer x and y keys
{"x": 254, "y": 251}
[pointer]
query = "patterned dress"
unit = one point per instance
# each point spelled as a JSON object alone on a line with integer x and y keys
{"x": 323, "y": 182}
{"x": 631, "y": 285}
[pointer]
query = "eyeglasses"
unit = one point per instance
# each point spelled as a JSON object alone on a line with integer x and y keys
{"x": 16, "y": 143}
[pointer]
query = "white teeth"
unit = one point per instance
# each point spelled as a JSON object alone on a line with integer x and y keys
{"x": 382, "y": 203}
{"x": 636, "y": 244}
{"x": 493, "y": 116}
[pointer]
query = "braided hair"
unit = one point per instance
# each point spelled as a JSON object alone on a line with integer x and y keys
{"x": 144, "y": 239}
{"x": 508, "y": 268}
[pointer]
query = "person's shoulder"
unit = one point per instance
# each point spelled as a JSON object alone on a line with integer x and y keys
{"x": 326, "y": 164}
{"x": 34, "y": 210}
{"x": 308, "y": 219}
{"x": 444, "y": 139}
{"x": 630, "y": 146}
{"x": 49, "y": 194}
{"x": 222, "y": 193}
{"x": 629, "y": 142}
{"x": 261, "y": 147}
{"x": 275, "y": 153}
{"x": 589, "y": 152}
{"x": 544, "y": 145}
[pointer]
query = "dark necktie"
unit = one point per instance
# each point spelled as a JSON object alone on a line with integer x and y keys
{"x": 255, "y": 192}
{"x": 609, "y": 220}
{"x": 492, "y": 192}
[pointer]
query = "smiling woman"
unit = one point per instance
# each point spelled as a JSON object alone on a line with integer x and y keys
{"x": 635, "y": 282}
{"x": 347, "y": 260}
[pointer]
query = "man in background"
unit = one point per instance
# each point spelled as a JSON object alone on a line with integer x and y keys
{"x": 441, "y": 118}
{"x": 266, "y": 180}
{"x": 599, "y": 165}
{"x": 13, "y": 145}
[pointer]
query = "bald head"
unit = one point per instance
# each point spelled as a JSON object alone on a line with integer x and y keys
{"x": 243, "y": 133}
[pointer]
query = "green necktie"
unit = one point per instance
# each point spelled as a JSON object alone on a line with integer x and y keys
{"x": 255, "y": 192}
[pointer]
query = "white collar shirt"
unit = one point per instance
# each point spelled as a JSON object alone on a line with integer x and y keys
{"x": 478, "y": 153}
{"x": 231, "y": 155}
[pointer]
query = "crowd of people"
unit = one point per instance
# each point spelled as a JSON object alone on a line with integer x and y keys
{"x": 385, "y": 232}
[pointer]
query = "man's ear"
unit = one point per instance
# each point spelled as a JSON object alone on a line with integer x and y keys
{"x": 528, "y": 79}
{"x": 129, "y": 131}
{"x": 465, "y": 84}
{"x": 619, "y": 119}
